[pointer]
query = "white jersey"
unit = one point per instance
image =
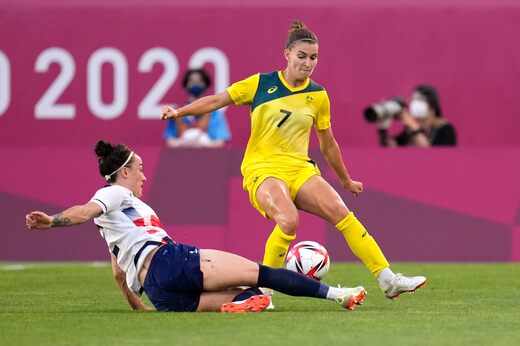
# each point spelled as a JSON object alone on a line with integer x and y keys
{"x": 130, "y": 228}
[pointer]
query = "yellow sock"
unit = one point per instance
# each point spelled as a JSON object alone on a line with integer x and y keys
{"x": 276, "y": 248}
{"x": 362, "y": 244}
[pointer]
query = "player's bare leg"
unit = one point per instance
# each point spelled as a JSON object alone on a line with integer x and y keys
{"x": 274, "y": 198}
{"x": 215, "y": 266}
{"x": 221, "y": 283}
{"x": 317, "y": 197}
{"x": 212, "y": 301}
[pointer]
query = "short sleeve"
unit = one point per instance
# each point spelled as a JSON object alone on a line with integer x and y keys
{"x": 110, "y": 197}
{"x": 322, "y": 121}
{"x": 243, "y": 92}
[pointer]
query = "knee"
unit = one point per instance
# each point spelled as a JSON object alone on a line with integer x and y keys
{"x": 289, "y": 223}
{"x": 337, "y": 211}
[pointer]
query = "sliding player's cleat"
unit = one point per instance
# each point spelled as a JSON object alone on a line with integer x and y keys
{"x": 351, "y": 297}
{"x": 256, "y": 303}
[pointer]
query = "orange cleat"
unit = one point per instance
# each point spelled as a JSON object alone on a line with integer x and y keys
{"x": 256, "y": 303}
{"x": 352, "y": 297}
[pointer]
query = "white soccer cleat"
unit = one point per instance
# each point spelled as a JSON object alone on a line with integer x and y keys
{"x": 268, "y": 292}
{"x": 401, "y": 284}
{"x": 352, "y": 297}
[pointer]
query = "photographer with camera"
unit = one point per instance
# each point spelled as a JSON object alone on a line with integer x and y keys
{"x": 422, "y": 120}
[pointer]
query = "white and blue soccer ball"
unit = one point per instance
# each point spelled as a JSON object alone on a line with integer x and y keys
{"x": 309, "y": 258}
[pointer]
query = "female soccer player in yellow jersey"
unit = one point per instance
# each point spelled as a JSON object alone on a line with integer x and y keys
{"x": 278, "y": 173}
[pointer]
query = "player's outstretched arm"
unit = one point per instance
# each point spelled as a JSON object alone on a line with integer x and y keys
{"x": 120, "y": 276}
{"x": 73, "y": 216}
{"x": 330, "y": 150}
{"x": 206, "y": 104}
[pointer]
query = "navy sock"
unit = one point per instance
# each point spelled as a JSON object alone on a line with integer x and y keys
{"x": 291, "y": 283}
{"x": 247, "y": 293}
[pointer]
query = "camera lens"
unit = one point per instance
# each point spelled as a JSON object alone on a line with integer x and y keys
{"x": 370, "y": 114}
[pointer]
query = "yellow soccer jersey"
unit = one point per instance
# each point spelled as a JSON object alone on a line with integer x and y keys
{"x": 281, "y": 119}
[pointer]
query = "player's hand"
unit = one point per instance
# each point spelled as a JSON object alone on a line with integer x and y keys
{"x": 169, "y": 112}
{"x": 37, "y": 219}
{"x": 356, "y": 187}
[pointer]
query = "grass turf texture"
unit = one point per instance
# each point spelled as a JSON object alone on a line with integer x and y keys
{"x": 64, "y": 304}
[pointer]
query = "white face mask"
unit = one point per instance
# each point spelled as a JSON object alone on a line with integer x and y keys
{"x": 419, "y": 109}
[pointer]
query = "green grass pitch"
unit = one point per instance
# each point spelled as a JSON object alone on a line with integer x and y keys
{"x": 79, "y": 304}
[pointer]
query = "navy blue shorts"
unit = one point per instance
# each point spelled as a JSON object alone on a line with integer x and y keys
{"x": 174, "y": 281}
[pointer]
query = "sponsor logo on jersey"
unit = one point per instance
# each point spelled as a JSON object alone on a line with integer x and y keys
{"x": 272, "y": 89}
{"x": 309, "y": 99}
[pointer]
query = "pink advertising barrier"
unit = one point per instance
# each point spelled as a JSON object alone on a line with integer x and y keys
{"x": 420, "y": 205}
{"x": 74, "y": 71}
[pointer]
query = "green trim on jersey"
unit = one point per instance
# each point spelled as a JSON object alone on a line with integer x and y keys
{"x": 270, "y": 88}
{"x": 281, "y": 121}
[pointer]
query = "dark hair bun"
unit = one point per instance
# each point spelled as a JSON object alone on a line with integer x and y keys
{"x": 103, "y": 149}
{"x": 297, "y": 25}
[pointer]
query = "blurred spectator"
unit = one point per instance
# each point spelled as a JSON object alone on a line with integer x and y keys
{"x": 422, "y": 121}
{"x": 207, "y": 130}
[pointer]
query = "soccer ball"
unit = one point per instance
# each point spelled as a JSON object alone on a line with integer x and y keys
{"x": 309, "y": 258}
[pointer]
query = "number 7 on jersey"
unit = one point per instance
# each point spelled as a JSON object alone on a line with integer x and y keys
{"x": 287, "y": 115}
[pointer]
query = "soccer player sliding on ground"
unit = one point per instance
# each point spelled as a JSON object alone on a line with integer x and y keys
{"x": 279, "y": 175}
{"x": 175, "y": 277}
